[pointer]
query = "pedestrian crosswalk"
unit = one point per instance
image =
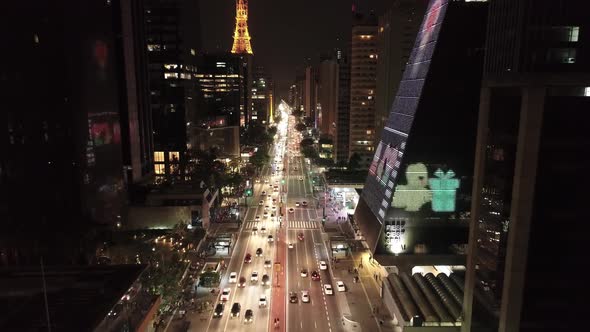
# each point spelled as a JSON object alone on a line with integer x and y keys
{"x": 293, "y": 224}
{"x": 303, "y": 224}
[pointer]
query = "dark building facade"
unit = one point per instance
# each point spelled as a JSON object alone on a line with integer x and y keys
{"x": 343, "y": 108}
{"x": 528, "y": 233}
{"x": 172, "y": 32}
{"x": 260, "y": 112}
{"x": 61, "y": 169}
{"x": 136, "y": 117}
{"x": 416, "y": 200}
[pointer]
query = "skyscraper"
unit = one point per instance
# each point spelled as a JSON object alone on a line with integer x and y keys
{"x": 363, "y": 83}
{"x": 173, "y": 40}
{"x": 261, "y": 95}
{"x": 528, "y": 220}
{"x": 328, "y": 96}
{"x": 341, "y": 140}
{"x": 414, "y": 207}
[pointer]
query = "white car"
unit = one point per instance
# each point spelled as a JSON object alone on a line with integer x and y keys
{"x": 265, "y": 180}
{"x": 305, "y": 296}
{"x": 323, "y": 265}
{"x": 260, "y": 203}
{"x": 265, "y": 214}
{"x": 270, "y": 238}
{"x": 225, "y": 294}
{"x": 254, "y": 276}
{"x": 328, "y": 289}
{"x": 267, "y": 264}
{"x": 296, "y": 204}
{"x": 340, "y": 286}
{"x": 262, "y": 301}
{"x": 301, "y": 178}
{"x": 257, "y": 218}
{"x": 290, "y": 245}
{"x": 233, "y": 277}
{"x": 291, "y": 210}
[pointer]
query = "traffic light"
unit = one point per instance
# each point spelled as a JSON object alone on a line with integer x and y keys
{"x": 282, "y": 181}
{"x": 249, "y": 192}
{"x": 324, "y": 220}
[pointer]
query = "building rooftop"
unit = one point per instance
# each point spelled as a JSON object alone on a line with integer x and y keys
{"x": 79, "y": 298}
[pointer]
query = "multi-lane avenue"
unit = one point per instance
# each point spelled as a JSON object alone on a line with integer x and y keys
{"x": 280, "y": 239}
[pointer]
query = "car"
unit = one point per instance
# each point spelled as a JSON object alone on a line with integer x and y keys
{"x": 304, "y": 273}
{"x": 265, "y": 280}
{"x": 262, "y": 301}
{"x": 218, "y": 312}
{"x": 254, "y": 277}
{"x": 265, "y": 180}
{"x": 274, "y": 201}
{"x": 266, "y": 207}
{"x": 300, "y": 236}
{"x": 301, "y": 178}
{"x": 233, "y": 277}
{"x": 305, "y": 296}
{"x": 293, "y": 297}
{"x": 273, "y": 208}
{"x": 272, "y": 215}
{"x": 248, "y": 316}
{"x": 225, "y": 294}
{"x": 257, "y": 218}
{"x": 242, "y": 282}
{"x": 291, "y": 210}
{"x": 340, "y": 286}
{"x": 267, "y": 264}
{"x": 296, "y": 204}
{"x": 315, "y": 276}
{"x": 259, "y": 252}
{"x": 323, "y": 265}
{"x": 248, "y": 258}
{"x": 265, "y": 214}
{"x": 270, "y": 238}
{"x": 257, "y": 180}
{"x": 264, "y": 192}
{"x": 304, "y": 203}
{"x": 290, "y": 245}
{"x": 254, "y": 230}
{"x": 235, "y": 309}
{"x": 261, "y": 203}
{"x": 328, "y": 289}
{"x": 262, "y": 229}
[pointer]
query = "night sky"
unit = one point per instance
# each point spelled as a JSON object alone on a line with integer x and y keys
{"x": 284, "y": 33}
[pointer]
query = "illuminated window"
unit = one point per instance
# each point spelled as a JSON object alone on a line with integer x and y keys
{"x": 159, "y": 156}
{"x": 173, "y": 156}
{"x": 153, "y": 47}
{"x": 168, "y": 76}
{"x": 587, "y": 91}
{"x": 159, "y": 168}
{"x": 193, "y": 52}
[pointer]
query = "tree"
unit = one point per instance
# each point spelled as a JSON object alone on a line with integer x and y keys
{"x": 306, "y": 142}
{"x": 354, "y": 162}
{"x": 260, "y": 158}
{"x": 297, "y": 113}
{"x": 272, "y": 131}
{"x": 310, "y": 152}
{"x": 300, "y": 127}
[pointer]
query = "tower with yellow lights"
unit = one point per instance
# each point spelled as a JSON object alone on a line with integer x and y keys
{"x": 241, "y": 34}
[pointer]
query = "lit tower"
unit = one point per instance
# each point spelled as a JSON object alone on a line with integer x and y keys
{"x": 241, "y": 35}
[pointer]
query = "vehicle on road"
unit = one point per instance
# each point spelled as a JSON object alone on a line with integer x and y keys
{"x": 323, "y": 265}
{"x": 304, "y": 203}
{"x": 225, "y": 294}
{"x": 328, "y": 289}
{"x": 257, "y": 218}
{"x": 315, "y": 276}
{"x": 290, "y": 245}
{"x": 259, "y": 252}
{"x": 254, "y": 277}
{"x": 235, "y": 310}
{"x": 340, "y": 286}
{"x": 218, "y": 310}
{"x": 267, "y": 264}
{"x": 300, "y": 236}
{"x": 248, "y": 258}
{"x": 303, "y": 273}
{"x": 262, "y": 229}
{"x": 261, "y": 203}
{"x": 293, "y": 297}
{"x": 265, "y": 214}
{"x": 254, "y": 230}
{"x": 248, "y": 316}
{"x": 262, "y": 301}
{"x": 296, "y": 204}
{"x": 291, "y": 210}
{"x": 265, "y": 280}
{"x": 305, "y": 296}
{"x": 233, "y": 277}
{"x": 264, "y": 192}
{"x": 270, "y": 238}
{"x": 242, "y": 282}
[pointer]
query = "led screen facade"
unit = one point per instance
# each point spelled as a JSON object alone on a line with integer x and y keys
{"x": 378, "y": 192}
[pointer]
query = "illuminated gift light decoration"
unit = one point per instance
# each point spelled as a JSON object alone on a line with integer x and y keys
{"x": 444, "y": 191}
{"x": 394, "y": 236}
{"x": 413, "y": 195}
